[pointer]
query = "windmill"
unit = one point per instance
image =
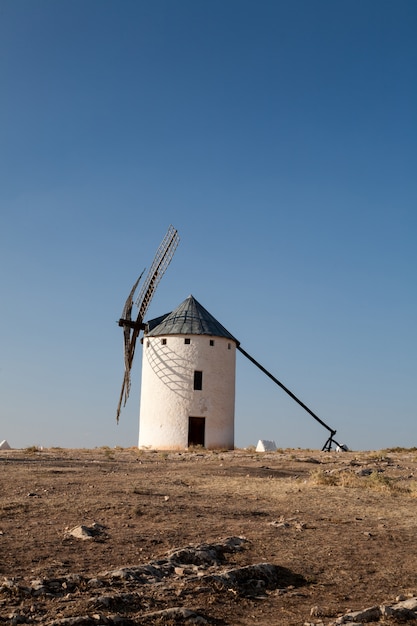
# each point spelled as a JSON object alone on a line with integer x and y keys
{"x": 190, "y": 319}
{"x": 132, "y": 328}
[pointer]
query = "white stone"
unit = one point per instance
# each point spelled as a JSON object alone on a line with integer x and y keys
{"x": 373, "y": 613}
{"x": 265, "y": 445}
{"x": 85, "y": 532}
{"x": 4, "y": 445}
{"x": 80, "y": 532}
{"x": 410, "y": 604}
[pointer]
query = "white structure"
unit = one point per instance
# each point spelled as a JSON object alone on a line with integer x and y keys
{"x": 188, "y": 381}
{"x": 264, "y": 445}
{"x": 4, "y": 445}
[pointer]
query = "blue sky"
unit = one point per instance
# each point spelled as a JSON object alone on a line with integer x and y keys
{"x": 280, "y": 139}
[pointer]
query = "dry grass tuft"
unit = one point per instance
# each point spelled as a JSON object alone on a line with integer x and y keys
{"x": 376, "y": 481}
{"x": 32, "y": 450}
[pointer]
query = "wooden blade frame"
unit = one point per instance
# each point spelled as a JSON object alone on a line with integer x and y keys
{"x": 131, "y": 330}
{"x": 127, "y": 329}
{"x": 160, "y": 263}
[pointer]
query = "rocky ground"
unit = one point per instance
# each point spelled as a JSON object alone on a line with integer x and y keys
{"x": 292, "y": 537}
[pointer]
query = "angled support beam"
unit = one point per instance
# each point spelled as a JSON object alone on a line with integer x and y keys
{"x": 328, "y": 445}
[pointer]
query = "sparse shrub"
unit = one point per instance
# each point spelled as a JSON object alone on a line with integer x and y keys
{"x": 108, "y": 453}
{"x": 379, "y": 456}
{"x": 350, "y": 480}
{"x": 380, "y": 482}
{"x": 320, "y": 477}
{"x": 196, "y": 448}
{"x": 32, "y": 450}
{"x": 413, "y": 488}
{"x": 400, "y": 449}
{"x": 377, "y": 481}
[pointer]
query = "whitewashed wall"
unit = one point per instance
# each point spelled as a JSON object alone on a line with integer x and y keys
{"x": 168, "y": 397}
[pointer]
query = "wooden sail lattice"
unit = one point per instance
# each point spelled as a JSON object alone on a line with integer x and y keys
{"x": 131, "y": 329}
{"x": 162, "y": 259}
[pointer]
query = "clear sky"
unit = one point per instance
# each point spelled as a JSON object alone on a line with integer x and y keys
{"x": 280, "y": 139}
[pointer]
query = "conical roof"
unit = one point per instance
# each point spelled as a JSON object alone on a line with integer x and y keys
{"x": 189, "y": 318}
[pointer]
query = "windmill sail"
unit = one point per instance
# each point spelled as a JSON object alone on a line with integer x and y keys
{"x": 127, "y": 316}
{"x": 160, "y": 263}
{"x": 131, "y": 329}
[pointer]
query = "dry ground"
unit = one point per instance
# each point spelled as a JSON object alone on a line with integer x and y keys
{"x": 342, "y": 527}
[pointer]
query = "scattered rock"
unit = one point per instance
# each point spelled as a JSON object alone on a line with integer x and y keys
{"x": 371, "y": 614}
{"x": 278, "y": 524}
{"x": 86, "y": 532}
{"x": 174, "y": 613}
{"x": 399, "y": 613}
{"x": 207, "y": 553}
{"x": 250, "y": 579}
{"x": 403, "y": 611}
{"x": 282, "y": 523}
{"x": 411, "y": 603}
{"x": 364, "y": 471}
{"x": 318, "y": 611}
{"x": 130, "y": 592}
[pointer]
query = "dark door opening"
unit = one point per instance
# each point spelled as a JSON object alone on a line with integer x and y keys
{"x": 196, "y": 431}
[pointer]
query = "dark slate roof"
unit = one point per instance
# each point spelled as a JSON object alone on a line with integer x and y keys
{"x": 189, "y": 318}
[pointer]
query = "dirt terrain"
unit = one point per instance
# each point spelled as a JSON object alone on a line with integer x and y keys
{"x": 290, "y": 537}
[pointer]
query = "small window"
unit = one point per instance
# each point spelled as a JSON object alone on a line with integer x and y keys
{"x": 198, "y": 380}
{"x": 147, "y": 344}
{"x": 164, "y": 342}
{"x": 229, "y": 346}
{"x": 212, "y": 342}
{"x": 187, "y": 340}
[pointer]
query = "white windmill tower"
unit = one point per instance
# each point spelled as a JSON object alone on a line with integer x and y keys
{"x": 188, "y": 369}
{"x": 188, "y": 381}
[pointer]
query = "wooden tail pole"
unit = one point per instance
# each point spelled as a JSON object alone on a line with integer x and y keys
{"x": 328, "y": 445}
